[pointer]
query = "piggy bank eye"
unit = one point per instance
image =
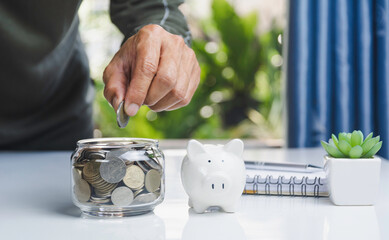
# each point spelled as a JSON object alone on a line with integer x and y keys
{"x": 209, "y": 161}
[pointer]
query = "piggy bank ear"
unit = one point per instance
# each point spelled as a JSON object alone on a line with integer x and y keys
{"x": 234, "y": 146}
{"x": 194, "y": 147}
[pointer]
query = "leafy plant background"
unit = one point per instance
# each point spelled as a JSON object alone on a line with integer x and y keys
{"x": 240, "y": 90}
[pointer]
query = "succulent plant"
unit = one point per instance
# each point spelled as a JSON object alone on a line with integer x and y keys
{"x": 352, "y": 145}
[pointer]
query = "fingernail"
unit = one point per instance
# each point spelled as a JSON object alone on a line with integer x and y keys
{"x": 132, "y": 109}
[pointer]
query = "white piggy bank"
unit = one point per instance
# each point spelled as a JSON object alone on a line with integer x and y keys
{"x": 214, "y": 175}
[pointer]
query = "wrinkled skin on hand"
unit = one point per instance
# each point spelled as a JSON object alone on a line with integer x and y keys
{"x": 154, "y": 68}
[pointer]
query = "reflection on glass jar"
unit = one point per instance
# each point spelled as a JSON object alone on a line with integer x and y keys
{"x": 117, "y": 176}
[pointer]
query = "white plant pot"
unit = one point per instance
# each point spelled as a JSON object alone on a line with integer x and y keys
{"x": 353, "y": 181}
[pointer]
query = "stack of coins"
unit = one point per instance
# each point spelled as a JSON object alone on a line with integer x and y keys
{"x": 107, "y": 178}
{"x": 144, "y": 180}
{"x": 91, "y": 174}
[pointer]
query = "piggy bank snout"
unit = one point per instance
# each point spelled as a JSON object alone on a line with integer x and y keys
{"x": 216, "y": 183}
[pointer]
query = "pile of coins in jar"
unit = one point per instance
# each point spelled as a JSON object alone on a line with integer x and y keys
{"x": 117, "y": 177}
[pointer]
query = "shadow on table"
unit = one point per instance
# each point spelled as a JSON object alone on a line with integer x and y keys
{"x": 69, "y": 210}
{"x": 212, "y": 225}
{"x": 146, "y": 227}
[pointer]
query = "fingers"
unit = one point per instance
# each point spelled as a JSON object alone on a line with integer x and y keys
{"x": 170, "y": 83}
{"x": 193, "y": 84}
{"x": 177, "y": 94}
{"x": 143, "y": 69}
{"x": 154, "y": 68}
{"x": 187, "y": 83}
{"x": 115, "y": 84}
{"x": 166, "y": 78}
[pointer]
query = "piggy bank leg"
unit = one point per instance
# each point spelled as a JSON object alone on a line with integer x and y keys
{"x": 198, "y": 207}
{"x": 190, "y": 203}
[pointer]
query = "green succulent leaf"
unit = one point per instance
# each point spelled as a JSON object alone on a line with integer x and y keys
{"x": 356, "y": 152}
{"x": 352, "y": 145}
{"x": 356, "y": 138}
{"x": 373, "y": 150}
{"x": 343, "y": 136}
{"x": 349, "y": 137}
{"x": 369, "y": 144}
{"x": 335, "y": 140}
{"x": 368, "y": 138}
{"x": 331, "y": 142}
{"x": 332, "y": 151}
{"x": 344, "y": 147}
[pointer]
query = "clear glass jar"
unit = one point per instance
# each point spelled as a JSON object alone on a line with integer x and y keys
{"x": 117, "y": 176}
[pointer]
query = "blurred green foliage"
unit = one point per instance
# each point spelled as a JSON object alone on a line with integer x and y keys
{"x": 239, "y": 91}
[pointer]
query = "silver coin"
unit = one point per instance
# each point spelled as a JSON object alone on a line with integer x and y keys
{"x": 145, "y": 198}
{"x": 152, "y": 180}
{"x": 134, "y": 177}
{"x": 143, "y": 166}
{"x": 152, "y": 163}
{"x": 122, "y": 196}
{"x": 121, "y": 117}
{"x": 113, "y": 170}
{"x": 82, "y": 190}
{"x": 76, "y": 174}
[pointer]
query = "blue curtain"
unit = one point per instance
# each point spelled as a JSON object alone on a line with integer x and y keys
{"x": 337, "y": 72}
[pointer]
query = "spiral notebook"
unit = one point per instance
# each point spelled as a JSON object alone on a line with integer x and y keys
{"x": 286, "y": 183}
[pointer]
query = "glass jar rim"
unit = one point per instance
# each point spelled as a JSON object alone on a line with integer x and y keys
{"x": 116, "y": 142}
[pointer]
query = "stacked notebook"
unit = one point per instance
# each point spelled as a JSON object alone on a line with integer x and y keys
{"x": 288, "y": 183}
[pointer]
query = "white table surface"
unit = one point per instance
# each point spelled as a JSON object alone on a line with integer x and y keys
{"x": 35, "y": 203}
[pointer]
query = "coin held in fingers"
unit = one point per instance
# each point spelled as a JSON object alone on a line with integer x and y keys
{"x": 121, "y": 117}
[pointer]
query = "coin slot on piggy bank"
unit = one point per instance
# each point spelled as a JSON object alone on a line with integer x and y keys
{"x": 214, "y": 175}
{"x": 117, "y": 176}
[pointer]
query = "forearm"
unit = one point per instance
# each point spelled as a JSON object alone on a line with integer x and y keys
{"x": 130, "y": 16}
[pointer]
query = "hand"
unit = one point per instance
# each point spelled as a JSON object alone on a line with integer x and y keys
{"x": 154, "y": 68}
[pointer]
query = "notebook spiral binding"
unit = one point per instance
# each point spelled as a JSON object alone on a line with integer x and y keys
{"x": 305, "y": 187}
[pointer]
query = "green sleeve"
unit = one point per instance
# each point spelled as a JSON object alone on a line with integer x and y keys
{"x": 131, "y": 15}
